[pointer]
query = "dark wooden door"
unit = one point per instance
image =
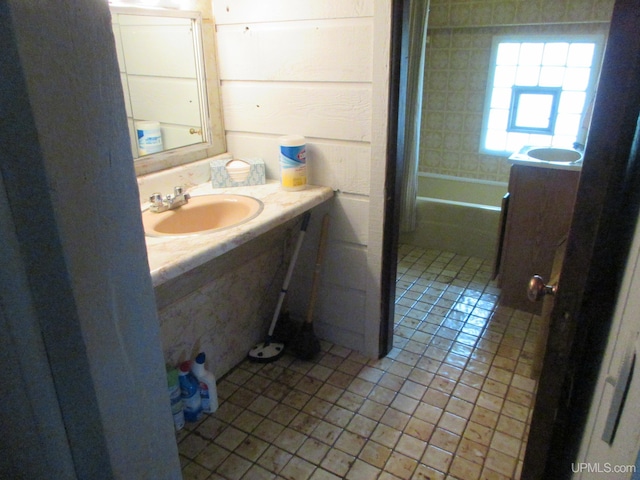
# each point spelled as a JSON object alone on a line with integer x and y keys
{"x": 604, "y": 217}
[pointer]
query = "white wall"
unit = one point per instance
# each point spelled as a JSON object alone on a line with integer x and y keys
{"x": 318, "y": 68}
{"x": 84, "y": 372}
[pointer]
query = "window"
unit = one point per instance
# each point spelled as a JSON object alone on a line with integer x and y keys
{"x": 538, "y": 92}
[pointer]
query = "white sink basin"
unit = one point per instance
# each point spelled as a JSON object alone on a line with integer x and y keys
{"x": 563, "y": 155}
{"x": 203, "y": 214}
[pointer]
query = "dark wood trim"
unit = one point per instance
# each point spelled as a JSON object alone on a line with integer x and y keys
{"x": 393, "y": 181}
{"x": 604, "y": 218}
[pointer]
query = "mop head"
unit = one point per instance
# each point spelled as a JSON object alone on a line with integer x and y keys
{"x": 266, "y": 352}
{"x": 306, "y": 345}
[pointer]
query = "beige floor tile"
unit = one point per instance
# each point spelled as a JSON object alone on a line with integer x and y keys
{"x": 321, "y": 474}
{"x": 289, "y": 440}
{"x": 326, "y": 432}
{"x": 500, "y": 462}
{"x": 411, "y": 446}
{"x": 400, "y": 465}
{"x": 192, "y": 445}
{"x": 375, "y": 454}
{"x": 372, "y": 410}
{"x": 274, "y": 459}
{"x": 506, "y": 444}
{"x": 212, "y": 456}
{"x": 339, "y": 416}
{"x": 251, "y": 448}
{"x": 478, "y": 433}
{"x": 437, "y": 458}
{"x": 459, "y": 407}
{"x": 463, "y": 468}
{"x": 193, "y": 471}
{"x": 234, "y": 467}
{"x": 362, "y": 471}
{"x": 361, "y": 425}
{"x": 298, "y": 469}
{"x": 256, "y": 472}
{"x": 404, "y": 403}
{"x": 230, "y": 438}
{"x": 419, "y": 429}
{"x": 395, "y": 419}
{"x": 304, "y": 423}
{"x": 445, "y": 440}
{"x": 313, "y": 450}
{"x": 450, "y": 401}
{"x": 428, "y": 413}
{"x": 350, "y": 443}
{"x": 511, "y": 426}
{"x": 452, "y": 423}
{"x": 472, "y": 451}
{"x": 337, "y": 462}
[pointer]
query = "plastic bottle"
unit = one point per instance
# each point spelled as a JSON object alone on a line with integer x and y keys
{"x": 208, "y": 389}
{"x": 190, "y": 393}
{"x": 293, "y": 162}
{"x": 149, "y": 137}
{"x": 175, "y": 398}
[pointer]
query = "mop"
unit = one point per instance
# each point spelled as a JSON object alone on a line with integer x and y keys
{"x": 270, "y": 351}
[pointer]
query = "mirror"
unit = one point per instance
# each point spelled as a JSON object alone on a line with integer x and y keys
{"x": 161, "y": 56}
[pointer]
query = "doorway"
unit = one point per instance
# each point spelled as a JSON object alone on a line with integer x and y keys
{"x": 601, "y": 180}
{"x": 460, "y": 183}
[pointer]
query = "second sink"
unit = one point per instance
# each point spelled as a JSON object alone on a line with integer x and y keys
{"x": 203, "y": 214}
{"x": 555, "y": 154}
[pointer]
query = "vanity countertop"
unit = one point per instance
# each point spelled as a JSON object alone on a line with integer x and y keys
{"x": 525, "y": 156}
{"x": 171, "y": 256}
{"x": 532, "y": 162}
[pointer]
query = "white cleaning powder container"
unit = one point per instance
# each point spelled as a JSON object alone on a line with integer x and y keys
{"x": 293, "y": 162}
{"x": 149, "y": 137}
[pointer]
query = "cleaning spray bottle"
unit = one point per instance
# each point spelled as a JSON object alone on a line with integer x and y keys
{"x": 208, "y": 389}
{"x": 190, "y": 393}
{"x": 175, "y": 398}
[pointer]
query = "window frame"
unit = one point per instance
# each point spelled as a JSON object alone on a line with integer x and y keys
{"x": 599, "y": 42}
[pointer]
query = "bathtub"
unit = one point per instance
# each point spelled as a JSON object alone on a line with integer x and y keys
{"x": 459, "y": 215}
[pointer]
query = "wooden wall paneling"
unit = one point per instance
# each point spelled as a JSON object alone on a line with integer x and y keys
{"x": 318, "y": 53}
{"x": 339, "y": 111}
{"x": 250, "y": 11}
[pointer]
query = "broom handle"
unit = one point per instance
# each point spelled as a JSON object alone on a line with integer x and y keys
{"x": 287, "y": 278}
{"x": 316, "y": 272}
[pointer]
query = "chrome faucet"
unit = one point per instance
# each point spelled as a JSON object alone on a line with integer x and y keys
{"x": 169, "y": 202}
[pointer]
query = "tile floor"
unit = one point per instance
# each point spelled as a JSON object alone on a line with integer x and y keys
{"x": 451, "y": 401}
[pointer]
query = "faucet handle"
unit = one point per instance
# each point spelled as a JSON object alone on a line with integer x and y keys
{"x": 156, "y": 198}
{"x": 178, "y": 190}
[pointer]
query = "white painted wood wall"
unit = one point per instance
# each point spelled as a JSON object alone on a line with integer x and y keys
{"x": 318, "y": 68}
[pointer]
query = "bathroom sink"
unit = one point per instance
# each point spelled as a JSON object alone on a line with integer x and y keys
{"x": 563, "y": 155}
{"x": 203, "y": 214}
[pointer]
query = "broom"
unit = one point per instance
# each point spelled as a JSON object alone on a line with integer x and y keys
{"x": 306, "y": 345}
{"x": 270, "y": 350}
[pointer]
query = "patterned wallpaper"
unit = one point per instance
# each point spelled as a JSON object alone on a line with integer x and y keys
{"x": 457, "y": 66}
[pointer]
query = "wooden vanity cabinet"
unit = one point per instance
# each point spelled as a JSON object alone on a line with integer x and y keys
{"x": 538, "y": 217}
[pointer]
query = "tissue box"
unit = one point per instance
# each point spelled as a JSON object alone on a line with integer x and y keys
{"x": 237, "y": 172}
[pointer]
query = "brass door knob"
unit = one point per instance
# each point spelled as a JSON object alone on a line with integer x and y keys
{"x": 537, "y": 288}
